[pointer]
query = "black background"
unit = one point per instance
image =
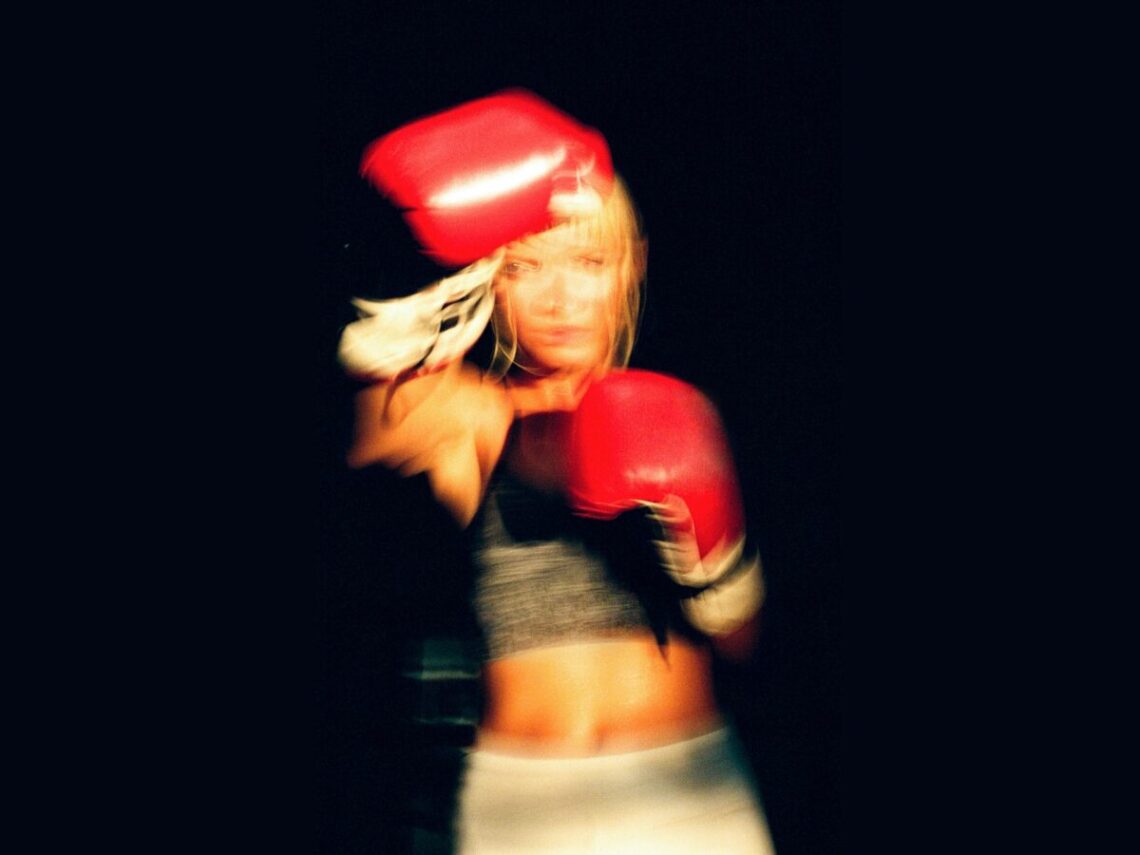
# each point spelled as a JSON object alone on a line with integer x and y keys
{"x": 724, "y": 119}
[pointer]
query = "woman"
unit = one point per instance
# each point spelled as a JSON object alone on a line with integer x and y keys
{"x": 600, "y": 732}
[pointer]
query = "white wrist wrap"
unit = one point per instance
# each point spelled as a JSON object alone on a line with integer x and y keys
{"x": 423, "y": 331}
{"x": 727, "y": 588}
{"x": 727, "y": 605}
{"x": 678, "y": 550}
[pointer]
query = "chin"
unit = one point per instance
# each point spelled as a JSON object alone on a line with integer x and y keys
{"x": 571, "y": 361}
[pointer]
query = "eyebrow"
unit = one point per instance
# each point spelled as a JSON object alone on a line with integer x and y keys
{"x": 577, "y": 249}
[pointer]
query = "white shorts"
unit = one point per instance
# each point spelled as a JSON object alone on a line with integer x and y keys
{"x": 686, "y": 798}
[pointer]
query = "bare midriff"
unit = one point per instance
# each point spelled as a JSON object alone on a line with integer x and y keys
{"x": 600, "y": 696}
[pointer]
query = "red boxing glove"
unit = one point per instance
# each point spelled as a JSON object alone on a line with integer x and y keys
{"x": 485, "y": 173}
{"x": 645, "y": 439}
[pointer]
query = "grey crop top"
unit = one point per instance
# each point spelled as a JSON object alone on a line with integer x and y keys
{"x": 545, "y": 576}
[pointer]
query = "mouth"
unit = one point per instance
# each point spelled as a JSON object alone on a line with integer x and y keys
{"x": 566, "y": 334}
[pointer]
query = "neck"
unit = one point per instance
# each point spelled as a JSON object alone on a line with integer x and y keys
{"x": 560, "y": 390}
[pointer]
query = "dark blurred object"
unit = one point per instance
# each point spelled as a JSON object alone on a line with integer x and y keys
{"x": 398, "y": 689}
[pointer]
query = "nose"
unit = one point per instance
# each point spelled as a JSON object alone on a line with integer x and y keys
{"x": 557, "y": 295}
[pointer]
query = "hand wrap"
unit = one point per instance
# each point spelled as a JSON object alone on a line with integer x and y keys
{"x": 422, "y": 332}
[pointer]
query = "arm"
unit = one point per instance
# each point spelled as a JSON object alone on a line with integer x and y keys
{"x": 469, "y": 180}
{"x": 450, "y": 424}
{"x": 423, "y": 409}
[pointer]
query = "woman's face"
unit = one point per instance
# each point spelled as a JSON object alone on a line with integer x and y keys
{"x": 560, "y": 286}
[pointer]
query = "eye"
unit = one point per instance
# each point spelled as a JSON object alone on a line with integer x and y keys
{"x": 518, "y": 267}
{"x": 590, "y": 261}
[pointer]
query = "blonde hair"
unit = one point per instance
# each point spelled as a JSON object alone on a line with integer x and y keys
{"x": 618, "y": 225}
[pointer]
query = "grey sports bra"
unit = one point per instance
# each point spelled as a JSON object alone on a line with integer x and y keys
{"x": 545, "y": 577}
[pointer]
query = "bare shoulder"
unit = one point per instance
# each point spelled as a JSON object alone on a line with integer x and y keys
{"x": 451, "y": 424}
